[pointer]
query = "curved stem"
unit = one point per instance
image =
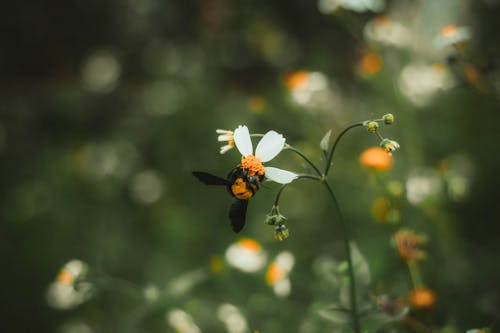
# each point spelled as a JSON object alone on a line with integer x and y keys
{"x": 347, "y": 247}
{"x": 278, "y": 195}
{"x": 332, "y": 150}
{"x": 301, "y": 154}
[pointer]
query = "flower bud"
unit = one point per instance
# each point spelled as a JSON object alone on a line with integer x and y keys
{"x": 281, "y": 232}
{"x": 372, "y": 126}
{"x": 389, "y": 145}
{"x": 388, "y": 118}
{"x": 274, "y": 217}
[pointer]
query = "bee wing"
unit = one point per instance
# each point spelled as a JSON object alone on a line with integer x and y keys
{"x": 237, "y": 214}
{"x": 209, "y": 179}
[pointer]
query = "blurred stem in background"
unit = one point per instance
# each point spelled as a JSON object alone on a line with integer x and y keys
{"x": 389, "y": 146}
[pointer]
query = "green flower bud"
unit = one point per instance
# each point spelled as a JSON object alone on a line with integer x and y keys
{"x": 372, "y": 126}
{"x": 281, "y": 232}
{"x": 388, "y": 118}
{"x": 274, "y": 217}
{"x": 389, "y": 145}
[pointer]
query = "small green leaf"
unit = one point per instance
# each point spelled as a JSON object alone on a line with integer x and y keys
{"x": 335, "y": 314}
{"x": 325, "y": 142}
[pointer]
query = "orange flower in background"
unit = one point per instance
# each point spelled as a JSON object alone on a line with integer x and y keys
{"x": 297, "y": 80}
{"x": 370, "y": 63}
{"x": 408, "y": 244}
{"x": 275, "y": 273}
{"x": 376, "y": 158}
{"x": 381, "y": 20}
{"x": 422, "y": 298}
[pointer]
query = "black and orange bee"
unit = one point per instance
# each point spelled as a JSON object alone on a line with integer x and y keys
{"x": 241, "y": 186}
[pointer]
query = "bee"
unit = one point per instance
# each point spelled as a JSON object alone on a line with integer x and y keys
{"x": 241, "y": 186}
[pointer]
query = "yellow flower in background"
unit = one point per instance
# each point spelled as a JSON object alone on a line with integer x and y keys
{"x": 382, "y": 211}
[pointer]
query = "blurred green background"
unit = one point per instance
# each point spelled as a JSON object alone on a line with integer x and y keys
{"x": 107, "y": 106}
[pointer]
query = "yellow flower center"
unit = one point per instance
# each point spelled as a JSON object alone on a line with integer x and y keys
{"x": 65, "y": 277}
{"x": 449, "y": 30}
{"x": 250, "y": 244}
{"x": 274, "y": 274}
{"x": 253, "y": 165}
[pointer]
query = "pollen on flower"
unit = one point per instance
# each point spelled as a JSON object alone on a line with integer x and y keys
{"x": 253, "y": 165}
{"x": 250, "y": 244}
{"x": 449, "y": 31}
{"x": 381, "y": 20}
{"x": 422, "y": 298}
{"x": 65, "y": 277}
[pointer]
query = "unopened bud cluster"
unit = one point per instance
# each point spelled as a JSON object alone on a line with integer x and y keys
{"x": 372, "y": 126}
{"x": 276, "y": 219}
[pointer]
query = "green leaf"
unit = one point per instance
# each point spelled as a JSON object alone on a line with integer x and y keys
{"x": 325, "y": 142}
{"x": 336, "y": 314}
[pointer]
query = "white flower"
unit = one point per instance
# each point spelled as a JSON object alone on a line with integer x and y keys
{"x": 225, "y": 136}
{"x": 268, "y": 147}
{"x": 246, "y": 255}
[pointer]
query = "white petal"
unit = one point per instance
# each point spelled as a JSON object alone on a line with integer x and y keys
{"x": 280, "y": 176}
{"x": 225, "y": 149}
{"x": 269, "y": 146}
{"x": 224, "y": 137}
{"x": 243, "y": 141}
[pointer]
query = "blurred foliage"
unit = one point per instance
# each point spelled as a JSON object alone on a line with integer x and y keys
{"x": 107, "y": 107}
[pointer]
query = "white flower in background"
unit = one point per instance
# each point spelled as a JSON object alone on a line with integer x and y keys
{"x": 232, "y": 318}
{"x": 384, "y": 30}
{"x": 246, "y": 255}
{"x": 420, "y": 82}
{"x": 69, "y": 289}
{"x": 182, "y": 321}
{"x": 360, "y": 6}
{"x": 277, "y": 274}
{"x": 452, "y": 35}
{"x": 422, "y": 185}
{"x": 268, "y": 147}
{"x": 225, "y": 136}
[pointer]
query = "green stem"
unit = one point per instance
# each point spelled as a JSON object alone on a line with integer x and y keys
{"x": 332, "y": 150}
{"x": 347, "y": 247}
{"x": 295, "y": 150}
{"x": 416, "y": 279}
